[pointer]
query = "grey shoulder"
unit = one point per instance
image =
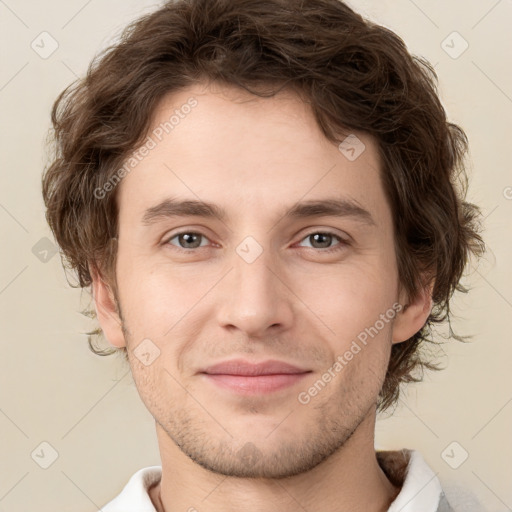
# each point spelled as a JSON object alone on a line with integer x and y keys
{"x": 456, "y": 498}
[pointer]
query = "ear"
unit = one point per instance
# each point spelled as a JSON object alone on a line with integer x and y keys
{"x": 106, "y": 311}
{"x": 414, "y": 314}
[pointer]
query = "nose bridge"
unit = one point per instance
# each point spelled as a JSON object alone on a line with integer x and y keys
{"x": 257, "y": 297}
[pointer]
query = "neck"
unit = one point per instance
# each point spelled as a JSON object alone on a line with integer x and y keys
{"x": 349, "y": 480}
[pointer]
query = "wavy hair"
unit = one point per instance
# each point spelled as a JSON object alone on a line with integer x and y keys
{"x": 354, "y": 74}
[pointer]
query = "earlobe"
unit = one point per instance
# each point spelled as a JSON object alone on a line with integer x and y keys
{"x": 107, "y": 312}
{"x": 414, "y": 315}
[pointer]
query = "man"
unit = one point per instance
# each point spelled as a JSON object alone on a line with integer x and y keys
{"x": 260, "y": 194}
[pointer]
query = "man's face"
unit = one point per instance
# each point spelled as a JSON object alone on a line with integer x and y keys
{"x": 256, "y": 285}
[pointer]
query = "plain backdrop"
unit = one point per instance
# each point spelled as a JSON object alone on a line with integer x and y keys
{"x": 72, "y": 426}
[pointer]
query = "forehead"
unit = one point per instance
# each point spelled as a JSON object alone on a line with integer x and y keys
{"x": 223, "y": 145}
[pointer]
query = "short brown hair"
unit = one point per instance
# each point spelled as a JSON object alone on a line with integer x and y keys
{"x": 356, "y": 75}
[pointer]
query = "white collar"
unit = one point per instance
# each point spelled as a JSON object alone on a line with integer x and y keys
{"x": 420, "y": 488}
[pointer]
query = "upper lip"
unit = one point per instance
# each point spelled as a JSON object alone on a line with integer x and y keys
{"x": 243, "y": 367}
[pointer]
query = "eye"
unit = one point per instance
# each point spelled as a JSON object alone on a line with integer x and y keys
{"x": 323, "y": 239}
{"x": 187, "y": 240}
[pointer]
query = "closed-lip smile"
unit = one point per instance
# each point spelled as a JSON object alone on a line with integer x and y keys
{"x": 245, "y": 377}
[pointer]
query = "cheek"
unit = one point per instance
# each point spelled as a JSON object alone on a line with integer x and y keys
{"x": 167, "y": 304}
{"x": 348, "y": 299}
{"x": 150, "y": 296}
{"x": 152, "y": 382}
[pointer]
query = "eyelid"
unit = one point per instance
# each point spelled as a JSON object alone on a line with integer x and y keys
{"x": 345, "y": 237}
{"x": 169, "y": 237}
{"x": 343, "y": 240}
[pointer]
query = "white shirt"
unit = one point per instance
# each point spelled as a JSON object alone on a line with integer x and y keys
{"x": 420, "y": 491}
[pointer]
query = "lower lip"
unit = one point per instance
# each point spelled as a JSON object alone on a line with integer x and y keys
{"x": 259, "y": 384}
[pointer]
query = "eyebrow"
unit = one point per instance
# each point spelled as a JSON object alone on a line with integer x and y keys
{"x": 328, "y": 207}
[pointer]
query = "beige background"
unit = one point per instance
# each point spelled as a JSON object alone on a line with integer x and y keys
{"x": 54, "y": 390}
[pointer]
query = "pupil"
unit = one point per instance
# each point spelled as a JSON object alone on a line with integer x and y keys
{"x": 327, "y": 238}
{"x": 188, "y": 238}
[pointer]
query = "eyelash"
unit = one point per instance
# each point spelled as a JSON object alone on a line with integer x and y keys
{"x": 343, "y": 243}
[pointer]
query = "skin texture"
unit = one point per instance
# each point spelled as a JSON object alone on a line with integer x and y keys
{"x": 256, "y": 157}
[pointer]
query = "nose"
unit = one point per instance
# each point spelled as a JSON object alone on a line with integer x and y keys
{"x": 259, "y": 302}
